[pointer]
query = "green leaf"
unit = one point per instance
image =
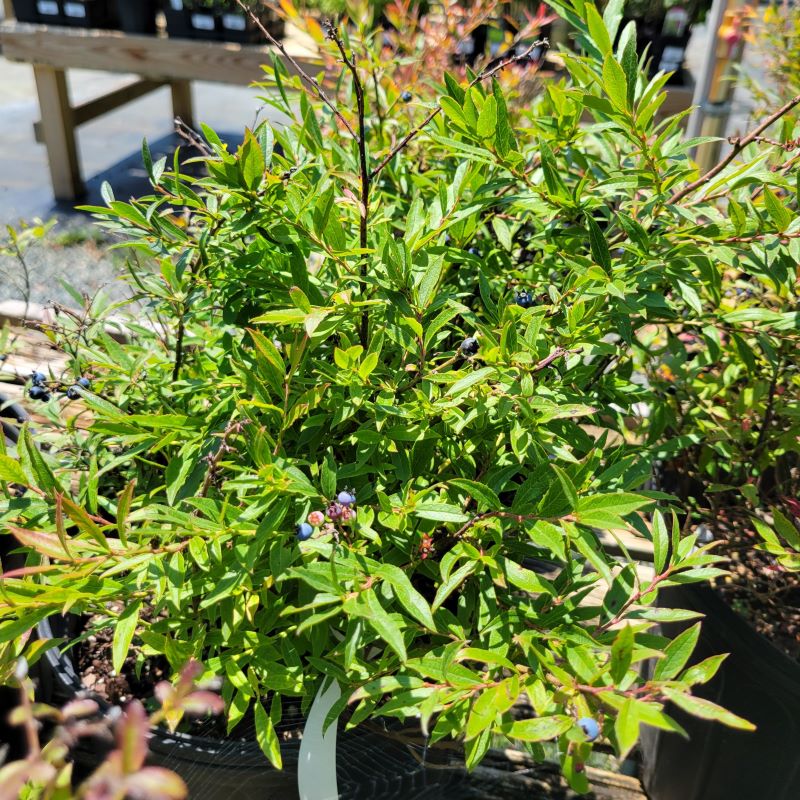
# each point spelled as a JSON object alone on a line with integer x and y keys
{"x": 430, "y": 280}
{"x": 676, "y": 654}
{"x": 482, "y": 494}
{"x": 282, "y": 316}
{"x": 621, "y": 654}
{"x": 785, "y": 528}
{"x": 704, "y": 671}
{"x": 607, "y": 510}
{"x": 538, "y": 729}
{"x": 478, "y": 376}
{"x": 266, "y": 737}
{"x": 597, "y": 28}
{"x": 626, "y": 726}
{"x": 612, "y": 16}
{"x": 12, "y": 472}
{"x": 483, "y": 712}
{"x": 615, "y": 83}
{"x": 660, "y": 542}
{"x": 487, "y": 119}
{"x": 123, "y": 634}
{"x": 411, "y": 600}
{"x": 780, "y": 215}
{"x": 705, "y": 709}
{"x": 440, "y": 512}
{"x": 600, "y": 252}
{"x": 383, "y": 624}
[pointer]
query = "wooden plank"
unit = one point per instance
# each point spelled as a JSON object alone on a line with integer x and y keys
{"x": 108, "y": 102}
{"x": 148, "y": 56}
{"x": 182, "y": 104}
{"x": 8, "y": 9}
{"x": 103, "y": 104}
{"x": 58, "y": 132}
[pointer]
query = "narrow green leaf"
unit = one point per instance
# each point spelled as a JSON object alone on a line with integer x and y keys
{"x": 780, "y": 215}
{"x": 123, "y": 634}
{"x": 615, "y": 83}
{"x": 538, "y": 729}
{"x": 266, "y": 737}
{"x": 597, "y": 28}
{"x": 621, "y": 654}
{"x": 676, "y": 654}
{"x": 626, "y": 726}
{"x": 486, "y": 499}
{"x": 411, "y": 600}
{"x": 384, "y": 625}
{"x": 705, "y": 709}
{"x": 660, "y": 542}
{"x": 12, "y": 472}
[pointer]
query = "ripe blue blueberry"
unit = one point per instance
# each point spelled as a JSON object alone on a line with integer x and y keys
{"x": 73, "y": 393}
{"x": 523, "y": 299}
{"x": 303, "y": 531}
{"x": 473, "y": 251}
{"x": 590, "y": 727}
{"x": 38, "y": 378}
{"x": 346, "y": 498}
{"x": 84, "y": 383}
{"x": 469, "y": 346}
{"x": 37, "y": 392}
{"x": 406, "y": 97}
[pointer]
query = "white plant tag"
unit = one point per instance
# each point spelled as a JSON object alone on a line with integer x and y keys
{"x": 316, "y": 768}
{"x": 203, "y": 22}
{"x": 49, "y": 7}
{"x": 77, "y": 10}
{"x": 176, "y": 5}
{"x": 234, "y": 22}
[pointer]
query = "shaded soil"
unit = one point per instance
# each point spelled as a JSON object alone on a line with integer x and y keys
{"x": 93, "y": 662}
{"x": 758, "y": 587}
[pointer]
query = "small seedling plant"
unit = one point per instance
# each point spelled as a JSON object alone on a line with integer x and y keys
{"x": 372, "y": 422}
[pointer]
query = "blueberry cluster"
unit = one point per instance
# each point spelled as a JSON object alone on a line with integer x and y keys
{"x": 469, "y": 347}
{"x": 341, "y": 510}
{"x": 40, "y": 391}
{"x": 523, "y": 299}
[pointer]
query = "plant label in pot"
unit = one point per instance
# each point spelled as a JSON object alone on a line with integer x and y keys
{"x": 316, "y": 768}
{"x": 234, "y": 22}
{"x": 47, "y": 8}
{"x": 203, "y": 22}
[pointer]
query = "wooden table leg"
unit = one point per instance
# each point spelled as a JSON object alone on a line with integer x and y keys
{"x": 58, "y": 131}
{"x": 182, "y": 105}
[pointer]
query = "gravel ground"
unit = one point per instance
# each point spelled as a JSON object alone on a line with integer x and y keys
{"x": 72, "y": 253}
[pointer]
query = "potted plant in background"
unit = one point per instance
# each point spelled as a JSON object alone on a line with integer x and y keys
{"x": 222, "y": 19}
{"x": 138, "y": 17}
{"x": 728, "y": 389}
{"x": 381, "y": 413}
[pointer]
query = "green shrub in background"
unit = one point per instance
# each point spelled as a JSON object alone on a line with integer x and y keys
{"x": 453, "y": 329}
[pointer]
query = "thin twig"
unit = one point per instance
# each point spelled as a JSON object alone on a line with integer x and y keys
{"x": 363, "y": 164}
{"x": 190, "y": 135}
{"x": 738, "y": 144}
{"x": 487, "y": 73}
{"x": 304, "y": 76}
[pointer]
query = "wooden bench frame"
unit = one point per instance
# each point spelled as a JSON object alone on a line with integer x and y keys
{"x": 156, "y": 60}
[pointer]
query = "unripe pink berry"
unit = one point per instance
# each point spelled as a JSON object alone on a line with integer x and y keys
{"x": 346, "y": 514}
{"x": 316, "y": 518}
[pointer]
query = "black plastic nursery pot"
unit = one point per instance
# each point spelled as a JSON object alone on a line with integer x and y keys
{"x": 25, "y": 10}
{"x": 370, "y": 763}
{"x": 137, "y": 16}
{"x": 236, "y": 26}
{"x": 46, "y": 12}
{"x": 89, "y": 13}
{"x": 758, "y": 682}
{"x": 185, "y": 23}
{"x": 228, "y": 24}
